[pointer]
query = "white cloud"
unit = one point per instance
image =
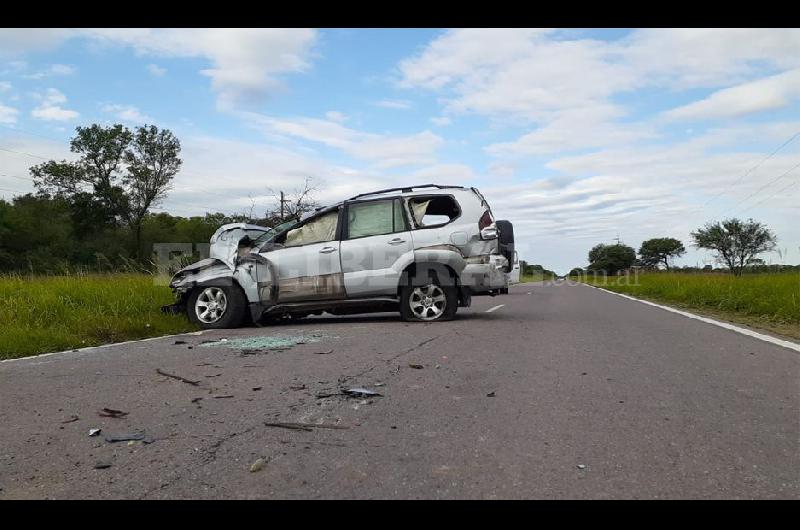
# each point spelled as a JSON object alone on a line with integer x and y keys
{"x": 156, "y": 70}
{"x": 52, "y": 70}
{"x": 5, "y": 86}
{"x": 245, "y": 63}
{"x": 50, "y": 108}
{"x": 441, "y": 121}
{"x": 334, "y": 115}
{"x": 764, "y": 94}
{"x": 400, "y": 104}
{"x": 8, "y": 114}
{"x": 128, "y": 113}
{"x": 384, "y": 151}
{"x": 459, "y": 174}
{"x": 576, "y": 129}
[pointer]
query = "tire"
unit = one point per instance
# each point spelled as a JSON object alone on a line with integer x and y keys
{"x": 506, "y": 242}
{"x": 426, "y": 299}
{"x": 228, "y": 306}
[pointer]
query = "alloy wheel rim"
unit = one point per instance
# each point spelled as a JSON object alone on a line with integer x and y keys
{"x": 211, "y": 305}
{"x": 427, "y": 302}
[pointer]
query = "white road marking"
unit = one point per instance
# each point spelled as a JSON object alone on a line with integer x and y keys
{"x": 110, "y": 344}
{"x": 495, "y": 308}
{"x": 760, "y": 336}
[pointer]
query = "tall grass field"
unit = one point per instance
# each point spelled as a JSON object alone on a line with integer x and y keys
{"x": 767, "y": 300}
{"x": 40, "y": 314}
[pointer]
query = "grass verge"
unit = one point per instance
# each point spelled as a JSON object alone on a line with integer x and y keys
{"x": 43, "y": 314}
{"x": 768, "y": 301}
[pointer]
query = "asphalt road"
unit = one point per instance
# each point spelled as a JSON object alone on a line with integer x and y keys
{"x": 563, "y": 392}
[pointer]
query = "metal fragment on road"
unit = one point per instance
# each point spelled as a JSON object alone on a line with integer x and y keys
{"x": 258, "y": 465}
{"x": 360, "y": 392}
{"x": 416, "y": 366}
{"x": 581, "y": 466}
{"x": 94, "y": 432}
{"x": 304, "y": 426}
{"x": 112, "y": 413}
{"x": 490, "y": 394}
{"x": 102, "y": 465}
{"x": 179, "y": 378}
{"x": 126, "y": 437}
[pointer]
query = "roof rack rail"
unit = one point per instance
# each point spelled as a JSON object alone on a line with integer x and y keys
{"x": 404, "y": 189}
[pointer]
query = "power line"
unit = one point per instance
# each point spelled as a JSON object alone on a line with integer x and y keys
{"x": 791, "y": 184}
{"x": 765, "y": 186}
{"x": 784, "y": 144}
{"x": 22, "y": 153}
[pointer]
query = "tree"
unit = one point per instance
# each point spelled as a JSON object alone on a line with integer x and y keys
{"x": 118, "y": 176}
{"x": 611, "y": 258}
{"x": 735, "y": 242}
{"x": 152, "y": 163}
{"x": 297, "y": 203}
{"x": 654, "y": 252}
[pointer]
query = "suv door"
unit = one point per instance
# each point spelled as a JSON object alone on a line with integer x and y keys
{"x": 307, "y": 265}
{"x": 375, "y": 248}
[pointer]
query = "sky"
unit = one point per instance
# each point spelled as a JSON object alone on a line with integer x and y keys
{"x": 577, "y": 136}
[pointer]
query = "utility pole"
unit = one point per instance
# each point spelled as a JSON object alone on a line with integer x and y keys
{"x": 282, "y": 201}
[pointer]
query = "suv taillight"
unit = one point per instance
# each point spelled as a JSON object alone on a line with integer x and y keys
{"x": 485, "y": 220}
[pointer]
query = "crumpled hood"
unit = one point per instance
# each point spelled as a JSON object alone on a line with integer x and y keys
{"x": 225, "y": 241}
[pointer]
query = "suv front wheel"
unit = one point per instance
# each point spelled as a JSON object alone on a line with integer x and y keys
{"x": 428, "y": 300}
{"x": 216, "y": 307}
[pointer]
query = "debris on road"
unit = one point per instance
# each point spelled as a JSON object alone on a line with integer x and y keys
{"x": 416, "y": 366}
{"x": 581, "y": 466}
{"x": 111, "y": 413}
{"x": 265, "y": 344}
{"x": 225, "y": 396}
{"x": 180, "y": 342}
{"x": 379, "y": 384}
{"x": 179, "y": 378}
{"x": 305, "y": 426}
{"x": 323, "y": 352}
{"x": 94, "y": 432}
{"x": 102, "y": 465}
{"x": 72, "y": 418}
{"x": 258, "y": 465}
{"x": 126, "y": 437}
{"x": 195, "y": 400}
{"x": 257, "y": 388}
{"x": 490, "y": 394}
{"x": 360, "y": 392}
{"x": 297, "y": 387}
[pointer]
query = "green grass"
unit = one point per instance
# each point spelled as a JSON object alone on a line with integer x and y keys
{"x": 537, "y": 277}
{"x": 42, "y": 314}
{"x": 770, "y": 300}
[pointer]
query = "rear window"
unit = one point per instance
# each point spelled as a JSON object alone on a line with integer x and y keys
{"x": 433, "y": 210}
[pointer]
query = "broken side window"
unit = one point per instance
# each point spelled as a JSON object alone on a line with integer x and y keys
{"x": 432, "y": 211}
{"x": 319, "y": 230}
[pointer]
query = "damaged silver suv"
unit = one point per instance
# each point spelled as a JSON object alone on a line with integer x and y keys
{"x": 422, "y": 250}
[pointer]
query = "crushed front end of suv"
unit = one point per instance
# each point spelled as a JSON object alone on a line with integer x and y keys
{"x": 423, "y": 251}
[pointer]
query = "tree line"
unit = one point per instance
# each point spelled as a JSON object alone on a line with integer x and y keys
{"x": 95, "y": 212}
{"x": 734, "y": 243}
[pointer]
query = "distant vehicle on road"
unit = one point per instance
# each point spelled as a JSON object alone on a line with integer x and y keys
{"x": 422, "y": 250}
{"x": 513, "y": 276}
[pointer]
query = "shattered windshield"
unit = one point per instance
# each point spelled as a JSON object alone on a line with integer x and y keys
{"x": 269, "y": 236}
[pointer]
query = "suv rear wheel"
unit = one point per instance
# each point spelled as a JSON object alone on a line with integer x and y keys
{"x": 216, "y": 307}
{"x": 426, "y": 299}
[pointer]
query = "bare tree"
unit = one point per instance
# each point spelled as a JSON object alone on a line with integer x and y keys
{"x": 294, "y": 205}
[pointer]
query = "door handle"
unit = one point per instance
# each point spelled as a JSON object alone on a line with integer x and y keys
{"x": 396, "y": 241}
{"x": 327, "y": 250}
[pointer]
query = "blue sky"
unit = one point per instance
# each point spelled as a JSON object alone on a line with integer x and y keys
{"x": 576, "y": 136}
